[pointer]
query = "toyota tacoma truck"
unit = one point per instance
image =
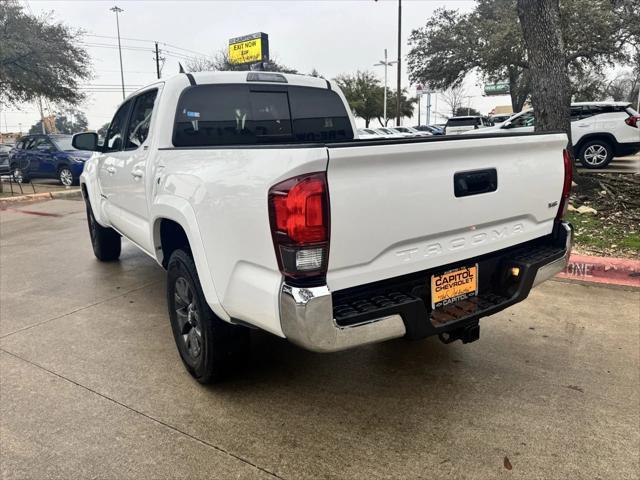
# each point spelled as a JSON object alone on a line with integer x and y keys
{"x": 254, "y": 193}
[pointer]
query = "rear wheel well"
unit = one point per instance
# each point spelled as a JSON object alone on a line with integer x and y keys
{"x": 172, "y": 238}
{"x": 603, "y": 137}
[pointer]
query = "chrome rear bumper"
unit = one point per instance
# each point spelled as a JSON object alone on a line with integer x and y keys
{"x": 549, "y": 270}
{"x": 306, "y": 315}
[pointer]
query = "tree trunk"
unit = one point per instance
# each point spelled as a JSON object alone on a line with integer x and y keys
{"x": 519, "y": 88}
{"x": 540, "y": 22}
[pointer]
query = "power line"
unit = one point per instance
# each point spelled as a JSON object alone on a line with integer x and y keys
{"x": 151, "y": 41}
{"x": 171, "y": 53}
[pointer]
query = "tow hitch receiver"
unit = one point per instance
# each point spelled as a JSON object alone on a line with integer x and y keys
{"x": 467, "y": 334}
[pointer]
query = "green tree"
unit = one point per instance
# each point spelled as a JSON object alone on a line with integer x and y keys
{"x": 69, "y": 121}
{"x": 364, "y": 95}
{"x": 220, "y": 62}
{"x": 407, "y": 106}
{"x": 39, "y": 58}
{"x": 489, "y": 40}
{"x": 466, "y": 111}
{"x": 624, "y": 88}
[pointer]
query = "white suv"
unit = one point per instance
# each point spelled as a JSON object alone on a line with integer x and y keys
{"x": 599, "y": 130}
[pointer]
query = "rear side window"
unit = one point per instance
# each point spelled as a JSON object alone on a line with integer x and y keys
{"x": 211, "y": 115}
{"x": 590, "y": 110}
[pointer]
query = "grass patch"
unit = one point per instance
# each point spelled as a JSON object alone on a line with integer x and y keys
{"x": 599, "y": 236}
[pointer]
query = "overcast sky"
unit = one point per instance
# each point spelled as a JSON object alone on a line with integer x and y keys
{"x": 333, "y": 37}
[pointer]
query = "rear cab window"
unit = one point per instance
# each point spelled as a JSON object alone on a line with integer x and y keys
{"x": 219, "y": 114}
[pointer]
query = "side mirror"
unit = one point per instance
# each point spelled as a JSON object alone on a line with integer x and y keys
{"x": 86, "y": 141}
{"x": 506, "y": 124}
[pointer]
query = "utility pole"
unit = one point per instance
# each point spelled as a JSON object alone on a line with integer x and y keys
{"x": 468, "y": 105}
{"x": 157, "y": 61}
{"x": 399, "y": 61}
{"x": 386, "y": 64}
{"x": 118, "y": 10}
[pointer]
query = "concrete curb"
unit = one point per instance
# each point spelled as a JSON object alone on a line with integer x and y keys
{"x": 607, "y": 270}
{"x": 74, "y": 193}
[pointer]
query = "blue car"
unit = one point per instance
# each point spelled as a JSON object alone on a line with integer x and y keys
{"x": 47, "y": 156}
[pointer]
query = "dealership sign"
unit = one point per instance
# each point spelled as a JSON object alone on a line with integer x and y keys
{"x": 253, "y": 48}
{"x": 497, "y": 88}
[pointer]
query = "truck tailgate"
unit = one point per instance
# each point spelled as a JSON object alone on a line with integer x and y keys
{"x": 394, "y": 208}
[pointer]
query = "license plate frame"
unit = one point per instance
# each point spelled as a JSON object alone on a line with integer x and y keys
{"x": 456, "y": 284}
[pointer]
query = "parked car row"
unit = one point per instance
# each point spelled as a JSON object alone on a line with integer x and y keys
{"x": 5, "y": 148}
{"x": 599, "y": 130}
{"x": 398, "y": 132}
{"x": 43, "y": 156}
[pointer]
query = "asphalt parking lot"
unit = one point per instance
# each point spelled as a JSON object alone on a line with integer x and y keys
{"x": 91, "y": 385}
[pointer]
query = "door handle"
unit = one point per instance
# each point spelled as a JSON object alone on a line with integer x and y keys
{"x": 475, "y": 182}
{"x": 111, "y": 169}
{"x": 137, "y": 174}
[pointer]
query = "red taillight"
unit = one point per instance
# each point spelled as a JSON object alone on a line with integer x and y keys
{"x": 632, "y": 121}
{"x": 299, "y": 216}
{"x": 566, "y": 186}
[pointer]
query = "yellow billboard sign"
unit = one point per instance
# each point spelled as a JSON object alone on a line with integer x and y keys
{"x": 252, "y": 48}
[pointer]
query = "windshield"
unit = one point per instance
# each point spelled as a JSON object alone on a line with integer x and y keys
{"x": 63, "y": 143}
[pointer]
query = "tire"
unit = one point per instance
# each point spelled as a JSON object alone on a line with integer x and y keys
{"x": 209, "y": 347}
{"x": 18, "y": 175}
{"x": 596, "y": 154}
{"x": 65, "y": 175}
{"x": 105, "y": 241}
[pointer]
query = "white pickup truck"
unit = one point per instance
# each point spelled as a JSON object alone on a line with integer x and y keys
{"x": 250, "y": 189}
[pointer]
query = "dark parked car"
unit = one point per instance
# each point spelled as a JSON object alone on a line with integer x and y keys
{"x": 430, "y": 128}
{"x": 47, "y": 156}
{"x": 5, "y": 148}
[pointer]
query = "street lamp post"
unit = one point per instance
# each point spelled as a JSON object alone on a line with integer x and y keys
{"x": 386, "y": 65}
{"x": 118, "y": 10}
{"x": 398, "y": 61}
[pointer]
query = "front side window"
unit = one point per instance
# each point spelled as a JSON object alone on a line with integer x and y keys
{"x": 209, "y": 115}
{"x": 138, "y": 129}
{"x": 40, "y": 143}
{"x": 527, "y": 119}
{"x": 113, "y": 140}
